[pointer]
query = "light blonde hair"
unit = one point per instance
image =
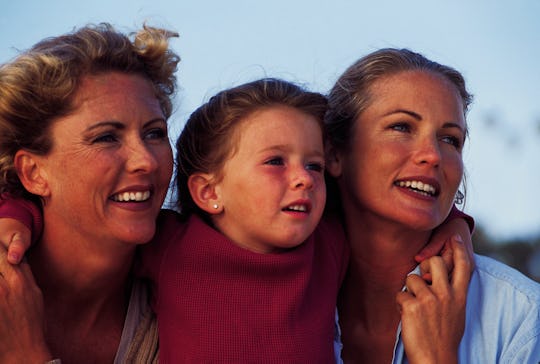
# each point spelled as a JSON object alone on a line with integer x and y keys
{"x": 39, "y": 85}
{"x": 351, "y": 93}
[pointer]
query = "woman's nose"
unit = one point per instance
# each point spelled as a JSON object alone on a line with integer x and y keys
{"x": 141, "y": 158}
{"x": 428, "y": 152}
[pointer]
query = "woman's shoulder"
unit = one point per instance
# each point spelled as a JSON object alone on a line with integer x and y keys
{"x": 502, "y": 277}
{"x": 503, "y": 315}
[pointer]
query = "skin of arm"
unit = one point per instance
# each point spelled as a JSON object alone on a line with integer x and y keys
{"x": 16, "y": 236}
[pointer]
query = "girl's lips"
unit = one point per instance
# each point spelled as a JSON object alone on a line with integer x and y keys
{"x": 298, "y": 206}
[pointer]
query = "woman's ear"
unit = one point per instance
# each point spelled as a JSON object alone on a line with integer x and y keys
{"x": 31, "y": 173}
{"x": 205, "y": 192}
{"x": 333, "y": 161}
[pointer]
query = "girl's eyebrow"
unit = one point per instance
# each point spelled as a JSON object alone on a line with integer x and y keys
{"x": 285, "y": 148}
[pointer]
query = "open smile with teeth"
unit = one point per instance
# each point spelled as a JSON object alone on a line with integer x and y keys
{"x": 138, "y": 196}
{"x": 298, "y": 208}
{"x": 419, "y": 187}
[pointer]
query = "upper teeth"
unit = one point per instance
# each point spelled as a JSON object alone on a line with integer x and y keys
{"x": 298, "y": 208}
{"x": 132, "y": 196}
{"x": 417, "y": 185}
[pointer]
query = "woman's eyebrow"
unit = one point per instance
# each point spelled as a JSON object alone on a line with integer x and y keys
{"x": 404, "y": 111}
{"x": 449, "y": 124}
{"x": 114, "y": 124}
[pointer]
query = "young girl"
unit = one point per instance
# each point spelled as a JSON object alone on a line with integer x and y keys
{"x": 252, "y": 282}
{"x": 245, "y": 272}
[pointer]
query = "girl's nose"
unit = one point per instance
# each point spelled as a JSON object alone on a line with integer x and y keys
{"x": 302, "y": 179}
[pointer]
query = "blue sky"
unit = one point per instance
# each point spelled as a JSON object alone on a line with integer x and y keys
{"x": 495, "y": 44}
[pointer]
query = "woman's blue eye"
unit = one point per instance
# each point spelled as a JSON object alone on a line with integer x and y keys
{"x": 400, "y": 127}
{"x": 105, "y": 138}
{"x": 157, "y": 133}
{"x": 452, "y": 140}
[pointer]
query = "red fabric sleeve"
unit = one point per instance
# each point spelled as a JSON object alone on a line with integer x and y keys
{"x": 455, "y": 213}
{"x": 25, "y": 211}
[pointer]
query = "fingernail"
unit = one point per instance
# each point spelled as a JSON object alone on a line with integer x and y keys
{"x": 458, "y": 238}
{"x": 14, "y": 257}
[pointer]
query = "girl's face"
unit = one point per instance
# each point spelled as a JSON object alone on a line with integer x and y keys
{"x": 405, "y": 161}
{"x": 111, "y": 162}
{"x": 272, "y": 187}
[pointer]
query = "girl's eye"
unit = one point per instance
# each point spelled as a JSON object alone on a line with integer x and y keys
{"x": 452, "y": 140}
{"x": 403, "y": 127}
{"x": 315, "y": 166}
{"x": 156, "y": 133}
{"x": 275, "y": 161}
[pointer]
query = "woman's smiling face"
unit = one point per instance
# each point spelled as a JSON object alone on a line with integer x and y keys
{"x": 111, "y": 162}
{"x": 405, "y": 160}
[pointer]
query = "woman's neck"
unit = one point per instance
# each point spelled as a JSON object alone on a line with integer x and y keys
{"x": 86, "y": 288}
{"x": 382, "y": 254}
{"x": 69, "y": 266}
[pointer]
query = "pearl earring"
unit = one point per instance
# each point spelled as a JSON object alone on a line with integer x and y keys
{"x": 215, "y": 206}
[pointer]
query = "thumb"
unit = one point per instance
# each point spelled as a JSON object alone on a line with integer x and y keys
{"x": 17, "y": 248}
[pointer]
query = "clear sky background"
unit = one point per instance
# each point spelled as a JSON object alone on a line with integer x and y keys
{"x": 494, "y": 43}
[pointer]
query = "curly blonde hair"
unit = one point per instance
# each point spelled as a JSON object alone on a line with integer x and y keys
{"x": 38, "y": 86}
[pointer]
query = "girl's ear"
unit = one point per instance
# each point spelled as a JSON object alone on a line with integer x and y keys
{"x": 30, "y": 170}
{"x": 333, "y": 161}
{"x": 205, "y": 192}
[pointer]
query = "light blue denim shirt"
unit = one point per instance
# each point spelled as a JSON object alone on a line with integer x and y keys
{"x": 502, "y": 318}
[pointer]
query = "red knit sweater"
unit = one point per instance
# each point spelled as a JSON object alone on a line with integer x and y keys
{"x": 217, "y": 302}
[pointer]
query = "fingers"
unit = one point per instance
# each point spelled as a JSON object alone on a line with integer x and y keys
{"x": 461, "y": 275}
{"x": 13, "y": 276}
{"x": 5, "y": 267}
{"x": 467, "y": 243}
{"x": 416, "y": 286}
{"x": 17, "y": 248}
{"x": 21, "y": 315}
{"x": 15, "y": 236}
{"x": 447, "y": 254}
{"x": 432, "y": 248}
{"x": 435, "y": 269}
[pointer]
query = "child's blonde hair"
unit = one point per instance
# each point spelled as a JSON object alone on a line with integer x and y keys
{"x": 208, "y": 139}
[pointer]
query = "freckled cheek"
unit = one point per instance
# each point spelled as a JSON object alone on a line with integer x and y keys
{"x": 319, "y": 184}
{"x": 454, "y": 170}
